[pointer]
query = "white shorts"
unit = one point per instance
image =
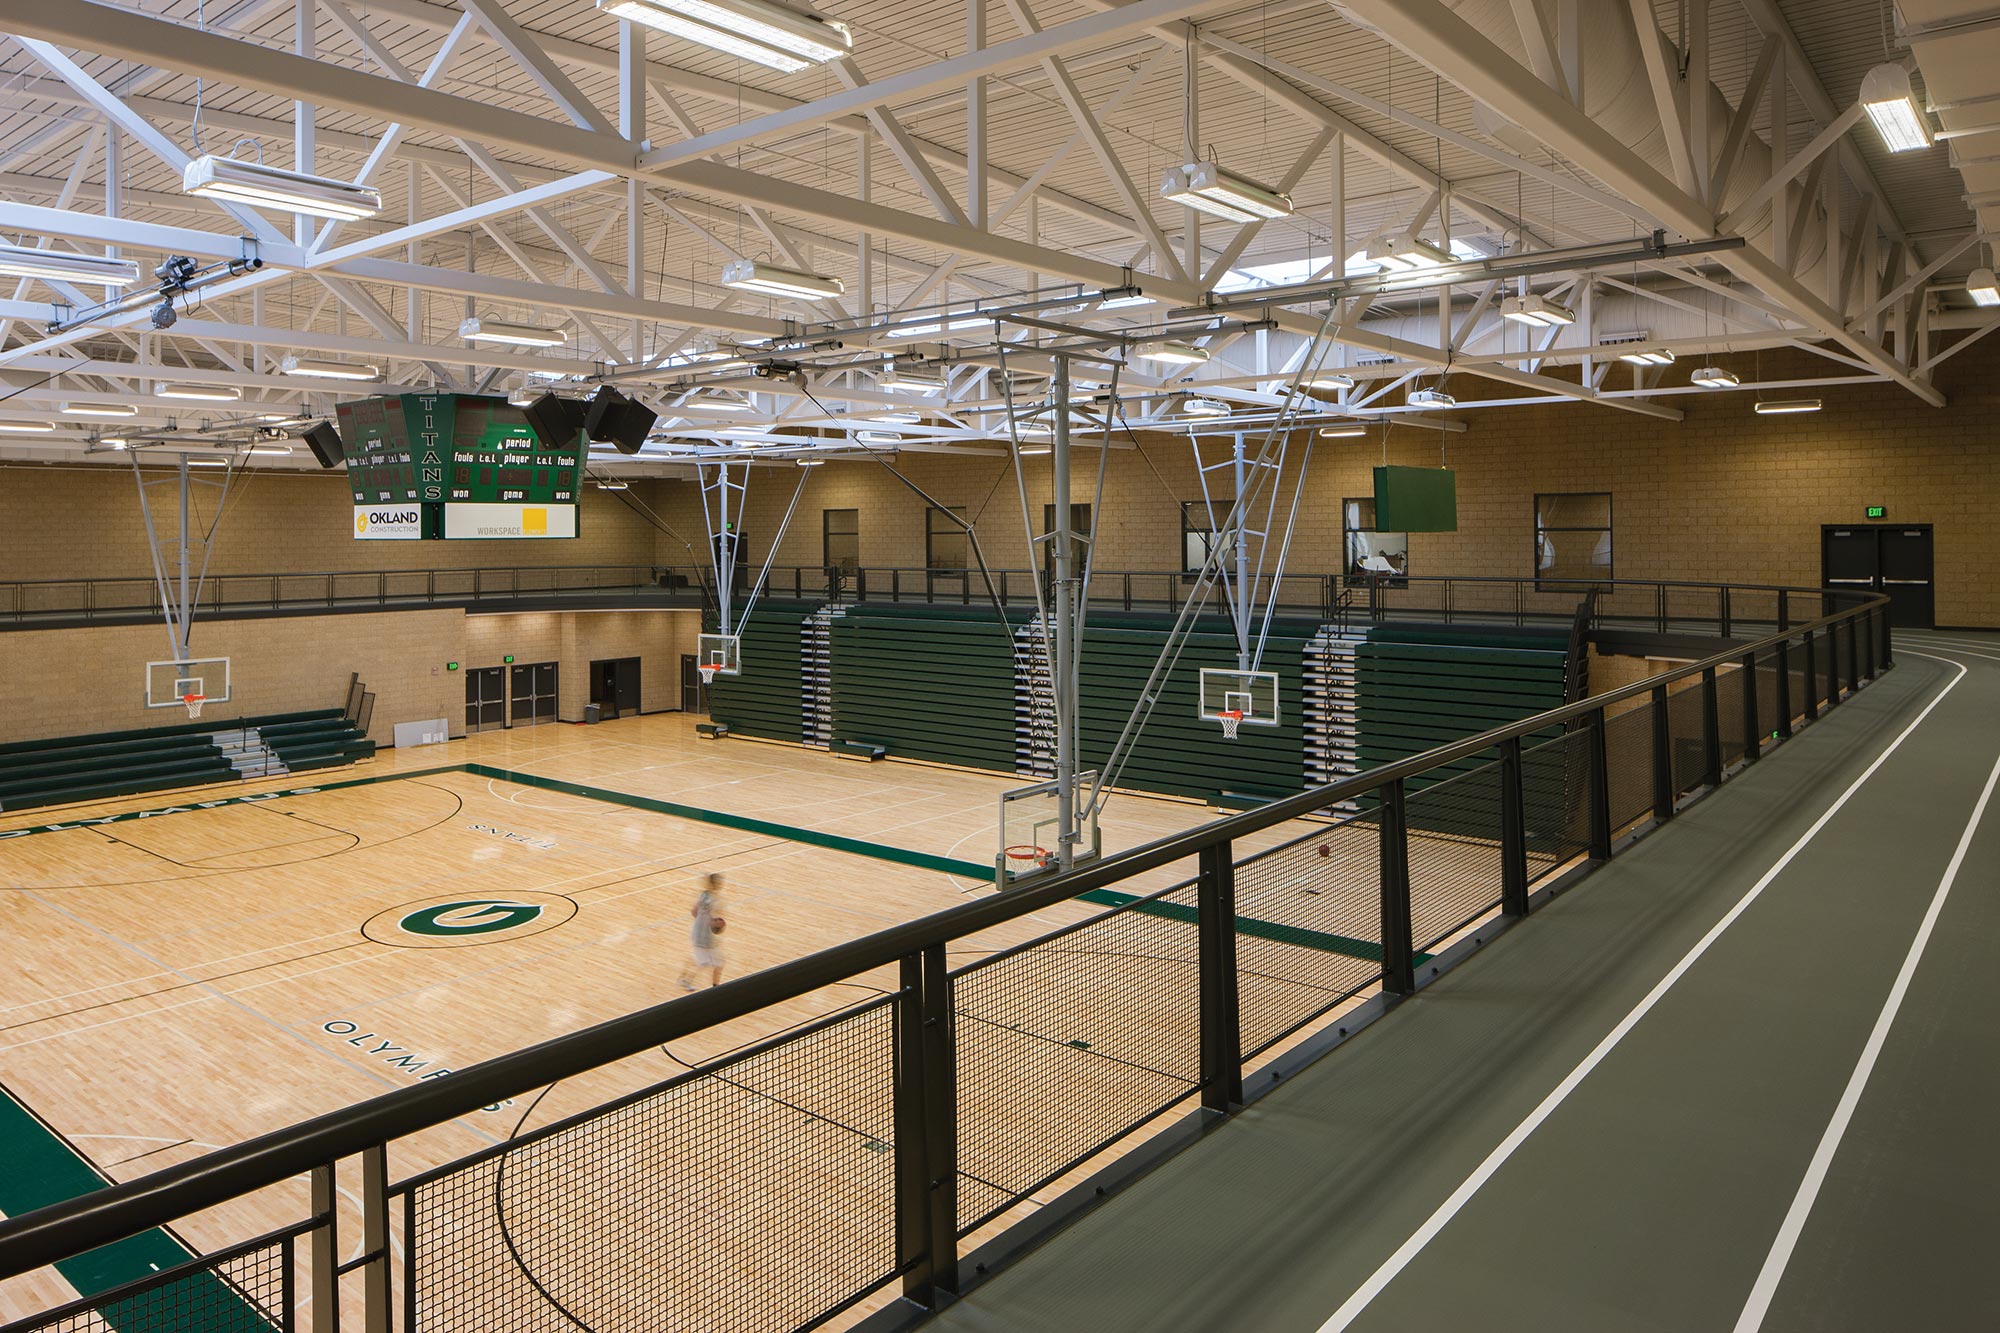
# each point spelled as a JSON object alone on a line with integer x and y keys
{"x": 707, "y": 957}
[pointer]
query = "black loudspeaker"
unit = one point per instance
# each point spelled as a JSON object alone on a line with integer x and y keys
{"x": 555, "y": 421}
{"x": 616, "y": 420}
{"x": 324, "y": 441}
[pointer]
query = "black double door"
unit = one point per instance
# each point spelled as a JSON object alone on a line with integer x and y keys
{"x": 614, "y": 686}
{"x": 1896, "y": 559}
{"x": 485, "y": 698}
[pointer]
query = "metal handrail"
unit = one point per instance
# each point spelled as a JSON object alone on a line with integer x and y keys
{"x": 47, "y": 1234}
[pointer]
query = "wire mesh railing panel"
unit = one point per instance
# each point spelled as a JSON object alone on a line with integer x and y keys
{"x": 1066, "y": 1045}
{"x": 1308, "y": 928}
{"x": 1454, "y": 854}
{"x": 1628, "y": 765}
{"x": 1729, "y": 713}
{"x": 1693, "y": 610}
{"x": 1555, "y": 801}
{"x": 758, "y": 1193}
{"x": 1684, "y": 731}
{"x": 244, "y": 1290}
{"x": 1627, "y": 605}
{"x": 1767, "y": 694}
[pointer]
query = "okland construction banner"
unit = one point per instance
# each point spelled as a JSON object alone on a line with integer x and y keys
{"x": 388, "y": 523}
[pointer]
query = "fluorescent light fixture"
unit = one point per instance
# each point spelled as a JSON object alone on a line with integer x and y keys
{"x": 718, "y": 404}
{"x": 201, "y": 393}
{"x": 20, "y": 261}
{"x": 524, "y": 396}
{"x": 113, "y": 441}
{"x": 705, "y": 359}
{"x": 27, "y": 427}
{"x": 253, "y": 183}
{"x": 482, "y": 329}
{"x": 1344, "y": 430}
{"x": 307, "y": 368}
{"x": 1205, "y": 407}
{"x": 1772, "y": 407}
{"x": 269, "y": 449}
{"x": 1431, "y": 398}
{"x": 1327, "y": 383}
{"x": 1207, "y": 188}
{"x": 895, "y": 418}
{"x": 97, "y": 409}
{"x": 1129, "y": 301}
{"x": 1651, "y": 356}
{"x": 1407, "y": 253}
{"x": 613, "y": 485}
{"x": 1890, "y": 102}
{"x": 1174, "y": 353}
{"x": 773, "y": 35}
{"x": 1715, "y": 377}
{"x": 208, "y": 462}
{"x": 878, "y": 437}
{"x": 1536, "y": 311}
{"x": 750, "y": 275}
{"x": 1030, "y": 453}
{"x": 931, "y": 328}
{"x": 897, "y": 381}
{"x": 278, "y": 419}
{"x": 1982, "y": 287}
{"x": 1036, "y": 430}
{"x": 812, "y": 462}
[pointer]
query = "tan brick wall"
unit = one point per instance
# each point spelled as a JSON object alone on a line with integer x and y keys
{"x": 1722, "y": 495}
{"x": 78, "y": 522}
{"x": 71, "y": 682}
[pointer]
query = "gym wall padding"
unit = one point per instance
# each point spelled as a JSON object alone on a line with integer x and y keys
{"x": 926, "y": 682}
{"x": 766, "y": 698}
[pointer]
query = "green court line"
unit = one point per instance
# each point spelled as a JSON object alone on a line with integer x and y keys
{"x": 855, "y": 846}
{"x": 1366, "y": 950}
{"x": 43, "y": 1168}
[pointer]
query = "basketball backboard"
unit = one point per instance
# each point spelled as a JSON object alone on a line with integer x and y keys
{"x": 171, "y": 684}
{"x": 718, "y": 655}
{"x": 1030, "y": 824}
{"x": 1252, "y": 695}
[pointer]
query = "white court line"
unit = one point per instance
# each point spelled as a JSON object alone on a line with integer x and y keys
{"x": 1773, "y": 1272}
{"x": 1436, "y": 1222}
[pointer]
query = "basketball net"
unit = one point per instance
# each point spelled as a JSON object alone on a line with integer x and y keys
{"x": 1230, "y": 719}
{"x": 708, "y": 670}
{"x": 193, "y": 702}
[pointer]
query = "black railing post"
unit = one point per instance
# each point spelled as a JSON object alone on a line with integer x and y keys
{"x": 1711, "y": 731}
{"x": 1784, "y": 727}
{"x": 1660, "y": 605}
{"x": 908, "y": 1109}
{"x": 1221, "y": 1040}
{"x": 1513, "y": 832}
{"x": 1399, "y": 968}
{"x": 1725, "y": 612}
{"x": 376, "y": 1310}
{"x": 1864, "y": 630}
{"x": 325, "y": 1251}
{"x": 1832, "y": 644}
{"x": 1600, "y": 788}
{"x": 1784, "y": 611}
{"x": 1753, "y": 732}
{"x": 940, "y": 1085}
{"x": 1853, "y": 624}
{"x": 1664, "y": 789}
{"x": 1812, "y": 680}
{"x": 1888, "y": 650}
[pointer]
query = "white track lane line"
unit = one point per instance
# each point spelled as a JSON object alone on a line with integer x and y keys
{"x": 1773, "y": 1272}
{"x": 1436, "y": 1222}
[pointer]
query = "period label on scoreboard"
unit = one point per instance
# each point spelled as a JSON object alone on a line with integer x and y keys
{"x": 470, "y": 461}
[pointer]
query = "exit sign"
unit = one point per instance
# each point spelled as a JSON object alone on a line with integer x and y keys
{"x": 451, "y": 666}
{"x": 508, "y": 658}
{"x": 1878, "y": 511}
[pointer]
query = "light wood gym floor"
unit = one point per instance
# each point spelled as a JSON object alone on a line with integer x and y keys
{"x": 192, "y": 979}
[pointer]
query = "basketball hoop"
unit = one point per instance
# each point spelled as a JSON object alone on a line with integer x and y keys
{"x": 1231, "y": 719}
{"x": 193, "y": 702}
{"x": 708, "y": 670}
{"x": 1041, "y": 856}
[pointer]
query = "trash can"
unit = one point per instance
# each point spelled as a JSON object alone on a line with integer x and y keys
{"x": 591, "y": 712}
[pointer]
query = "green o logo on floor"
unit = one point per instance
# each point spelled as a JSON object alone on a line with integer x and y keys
{"x": 444, "y": 922}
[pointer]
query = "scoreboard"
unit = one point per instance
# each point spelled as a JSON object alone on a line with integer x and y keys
{"x": 431, "y": 465}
